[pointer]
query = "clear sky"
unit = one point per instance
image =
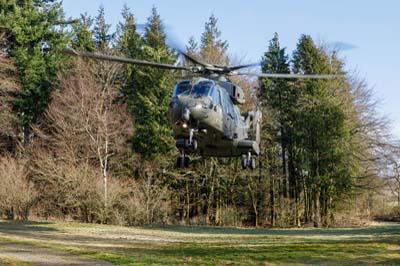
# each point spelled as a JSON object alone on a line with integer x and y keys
{"x": 372, "y": 27}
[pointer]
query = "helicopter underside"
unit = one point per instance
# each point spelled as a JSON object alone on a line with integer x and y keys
{"x": 211, "y": 142}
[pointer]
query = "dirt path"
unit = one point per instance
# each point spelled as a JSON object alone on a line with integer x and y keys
{"x": 42, "y": 256}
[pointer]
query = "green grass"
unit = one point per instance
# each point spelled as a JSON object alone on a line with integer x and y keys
{"x": 375, "y": 245}
{"x": 10, "y": 261}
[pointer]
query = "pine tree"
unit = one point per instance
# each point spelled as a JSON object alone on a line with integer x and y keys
{"x": 212, "y": 48}
{"x": 308, "y": 59}
{"x": 154, "y": 32}
{"x": 102, "y": 36}
{"x": 192, "y": 46}
{"x": 320, "y": 125}
{"x": 149, "y": 93}
{"x": 35, "y": 41}
{"x": 128, "y": 41}
{"x": 129, "y": 44}
{"x": 278, "y": 96}
{"x": 83, "y": 34}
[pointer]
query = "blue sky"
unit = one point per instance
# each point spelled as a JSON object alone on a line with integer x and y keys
{"x": 373, "y": 27}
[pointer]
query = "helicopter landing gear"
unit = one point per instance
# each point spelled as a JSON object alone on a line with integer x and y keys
{"x": 249, "y": 162}
{"x": 186, "y": 145}
{"x": 192, "y": 142}
{"x": 183, "y": 161}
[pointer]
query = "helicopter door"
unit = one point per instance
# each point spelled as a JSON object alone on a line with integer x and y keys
{"x": 228, "y": 119}
{"x": 216, "y": 98}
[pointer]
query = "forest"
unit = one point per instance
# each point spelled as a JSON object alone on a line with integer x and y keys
{"x": 90, "y": 141}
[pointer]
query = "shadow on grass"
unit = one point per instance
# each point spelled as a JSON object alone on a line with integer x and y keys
{"x": 359, "y": 246}
{"x": 6, "y": 226}
{"x": 281, "y": 254}
{"x": 42, "y": 231}
{"x": 373, "y": 230}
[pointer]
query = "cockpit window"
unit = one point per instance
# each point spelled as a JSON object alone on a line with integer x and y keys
{"x": 201, "y": 89}
{"x": 182, "y": 87}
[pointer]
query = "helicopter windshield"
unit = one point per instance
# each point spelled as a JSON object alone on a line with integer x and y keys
{"x": 182, "y": 87}
{"x": 201, "y": 89}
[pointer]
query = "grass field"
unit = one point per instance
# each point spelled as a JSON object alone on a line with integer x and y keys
{"x": 89, "y": 244}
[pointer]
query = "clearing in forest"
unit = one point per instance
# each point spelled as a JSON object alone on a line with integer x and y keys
{"x": 42, "y": 243}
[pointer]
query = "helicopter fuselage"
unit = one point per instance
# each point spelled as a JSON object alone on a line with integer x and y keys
{"x": 206, "y": 121}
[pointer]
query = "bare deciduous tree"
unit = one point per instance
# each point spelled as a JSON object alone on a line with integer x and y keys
{"x": 85, "y": 125}
{"x": 17, "y": 194}
{"x": 9, "y": 87}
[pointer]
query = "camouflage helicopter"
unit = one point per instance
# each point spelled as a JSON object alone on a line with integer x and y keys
{"x": 204, "y": 110}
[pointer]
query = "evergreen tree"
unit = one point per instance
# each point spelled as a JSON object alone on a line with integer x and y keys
{"x": 321, "y": 131}
{"x": 308, "y": 59}
{"x": 278, "y": 95}
{"x": 128, "y": 41}
{"x": 149, "y": 92}
{"x": 83, "y": 34}
{"x": 192, "y": 46}
{"x": 102, "y": 36}
{"x": 36, "y": 41}
{"x": 212, "y": 48}
{"x": 154, "y": 32}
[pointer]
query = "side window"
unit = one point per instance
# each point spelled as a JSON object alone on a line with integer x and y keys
{"x": 231, "y": 111}
{"x": 226, "y": 103}
{"x": 228, "y": 106}
{"x": 216, "y": 96}
{"x": 237, "y": 114}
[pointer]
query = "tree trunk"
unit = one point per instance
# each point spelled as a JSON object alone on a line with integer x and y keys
{"x": 316, "y": 209}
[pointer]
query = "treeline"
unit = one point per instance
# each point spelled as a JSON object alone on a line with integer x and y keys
{"x": 90, "y": 141}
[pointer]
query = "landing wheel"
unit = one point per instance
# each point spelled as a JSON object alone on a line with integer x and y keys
{"x": 194, "y": 144}
{"x": 244, "y": 163}
{"x": 249, "y": 162}
{"x": 179, "y": 162}
{"x": 186, "y": 162}
{"x": 252, "y": 163}
{"x": 183, "y": 161}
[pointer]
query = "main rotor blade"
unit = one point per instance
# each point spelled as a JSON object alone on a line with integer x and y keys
{"x": 123, "y": 60}
{"x": 194, "y": 60}
{"x": 233, "y": 68}
{"x": 174, "y": 43}
{"x": 291, "y": 76}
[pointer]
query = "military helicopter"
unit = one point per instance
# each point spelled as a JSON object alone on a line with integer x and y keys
{"x": 204, "y": 110}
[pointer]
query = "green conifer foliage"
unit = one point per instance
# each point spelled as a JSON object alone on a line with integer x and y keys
{"x": 280, "y": 96}
{"x": 148, "y": 90}
{"x": 36, "y": 39}
{"x": 321, "y": 131}
{"x": 102, "y": 36}
{"x": 212, "y": 48}
{"x": 83, "y": 34}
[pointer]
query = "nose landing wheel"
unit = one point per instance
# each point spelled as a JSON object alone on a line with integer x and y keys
{"x": 186, "y": 145}
{"x": 183, "y": 161}
{"x": 249, "y": 162}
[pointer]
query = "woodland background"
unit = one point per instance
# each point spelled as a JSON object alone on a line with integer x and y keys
{"x": 90, "y": 141}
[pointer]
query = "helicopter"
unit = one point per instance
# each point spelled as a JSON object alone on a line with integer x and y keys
{"x": 205, "y": 110}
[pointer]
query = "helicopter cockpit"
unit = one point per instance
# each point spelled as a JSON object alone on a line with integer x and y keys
{"x": 200, "y": 89}
{"x": 211, "y": 93}
{"x": 182, "y": 87}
